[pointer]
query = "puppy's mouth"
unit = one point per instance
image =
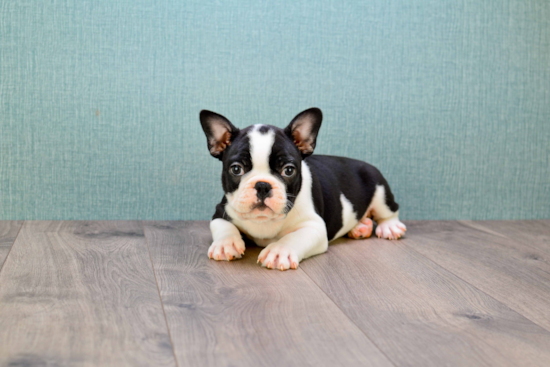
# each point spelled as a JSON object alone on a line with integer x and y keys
{"x": 260, "y": 212}
{"x": 261, "y": 207}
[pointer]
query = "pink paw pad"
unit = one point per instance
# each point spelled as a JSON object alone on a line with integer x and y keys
{"x": 363, "y": 229}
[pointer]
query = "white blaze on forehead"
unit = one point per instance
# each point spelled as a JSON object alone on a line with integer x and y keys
{"x": 260, "y": 148}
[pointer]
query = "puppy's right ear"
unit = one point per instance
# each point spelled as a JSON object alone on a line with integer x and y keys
{"x": 219, "y": 132}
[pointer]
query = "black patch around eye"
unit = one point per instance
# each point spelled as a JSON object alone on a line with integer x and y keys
{"x": 238, "y": 152}
{"x": 284, "y": 152}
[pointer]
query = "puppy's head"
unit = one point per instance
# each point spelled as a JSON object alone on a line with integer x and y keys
{"x": 261, "y": 173}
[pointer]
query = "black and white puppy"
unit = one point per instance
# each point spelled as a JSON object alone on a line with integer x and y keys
{"x": 285, "y": 199}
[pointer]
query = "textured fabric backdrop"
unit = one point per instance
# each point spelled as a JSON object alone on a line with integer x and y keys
{"x": 99, "y": 100}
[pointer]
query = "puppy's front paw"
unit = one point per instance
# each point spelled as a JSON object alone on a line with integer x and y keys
{"x": 229, "y": 248}
{"x": 391, "y": 229}
{"x": 279, "y": 256}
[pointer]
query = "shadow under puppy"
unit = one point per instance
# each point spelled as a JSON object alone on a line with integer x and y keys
{"x": 285, "y": 199}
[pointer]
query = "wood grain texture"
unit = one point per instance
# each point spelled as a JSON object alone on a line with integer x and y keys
{"x": 533, "y": 233}
{"x": 81, "y": 293}
{"x": 506, "y": 269}
{"x": 8, "y": 231}
{"x": 237, "y": 313}
{"x": 419, "y": 314}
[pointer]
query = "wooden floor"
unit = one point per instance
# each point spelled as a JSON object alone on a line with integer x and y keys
{"x": 145, "y": 293}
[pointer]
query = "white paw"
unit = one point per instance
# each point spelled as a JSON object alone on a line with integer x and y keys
{"x": 390, "y": 229}
{"x": 279, "y": 256}
{"x": 229, "y": 248}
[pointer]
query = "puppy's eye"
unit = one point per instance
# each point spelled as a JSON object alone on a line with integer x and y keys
{"x": 289, "y": 170}
{"x": 236, "y": 169}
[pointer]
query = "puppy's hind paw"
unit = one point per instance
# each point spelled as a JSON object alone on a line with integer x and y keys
{"x": 391, "y": 229}
{"x": 363, "y": 229}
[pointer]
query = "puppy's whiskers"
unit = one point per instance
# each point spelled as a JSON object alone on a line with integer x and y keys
{"x": 288, "y": 207}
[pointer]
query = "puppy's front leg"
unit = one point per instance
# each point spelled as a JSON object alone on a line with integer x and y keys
{"x": 228, "y": 243}
{"x": 310, "y": 239}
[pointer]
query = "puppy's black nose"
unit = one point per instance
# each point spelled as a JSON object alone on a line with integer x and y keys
{"x": 263, "y": 189}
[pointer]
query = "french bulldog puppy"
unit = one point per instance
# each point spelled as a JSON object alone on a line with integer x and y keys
{"x": 287, "y": 200}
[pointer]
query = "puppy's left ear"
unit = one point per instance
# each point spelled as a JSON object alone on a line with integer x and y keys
{"x": 303, "y": 130}
{"x": 219, "y": 132}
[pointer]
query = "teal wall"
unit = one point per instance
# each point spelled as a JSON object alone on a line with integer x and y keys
{"x": 99, "y": 100}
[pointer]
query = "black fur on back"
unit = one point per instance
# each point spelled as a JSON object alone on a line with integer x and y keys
{"x": 356, "y": 179}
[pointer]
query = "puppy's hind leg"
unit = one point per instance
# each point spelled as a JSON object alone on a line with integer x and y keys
{"x": 385, "y": 211}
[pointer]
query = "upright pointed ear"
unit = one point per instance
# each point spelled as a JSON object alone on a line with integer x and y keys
{"x": 303, "y": 130}
{"x": 219, "y": 132}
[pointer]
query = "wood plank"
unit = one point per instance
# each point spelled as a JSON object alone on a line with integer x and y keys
{"x": 418, "y": 313}
{"x": 8, "y": 231}
{"x": 509, "y": 271}
{"x": 81, "y": 293}
{"x": 534, "y": 233}
{"x": 239, "y": 314}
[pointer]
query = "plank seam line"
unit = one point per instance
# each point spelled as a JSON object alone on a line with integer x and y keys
{"x": 160, "y": 297}
{"x": 507, "y": 236}
{"x": 472, "y": 285}
{"x": 349, "y": 318}
{"x": 12, "y": 244}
